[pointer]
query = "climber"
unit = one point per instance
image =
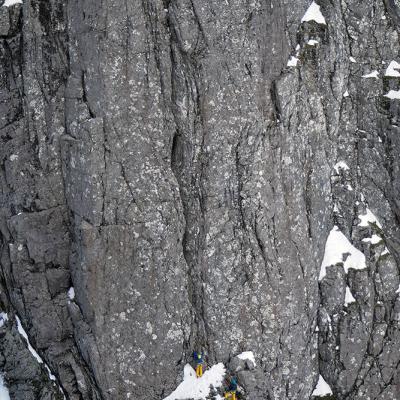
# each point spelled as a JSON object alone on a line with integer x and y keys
{"x": 231, "y": 392}
{"x": 198, "y": 359}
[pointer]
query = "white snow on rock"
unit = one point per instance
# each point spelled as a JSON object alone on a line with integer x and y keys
{"x": 39, "y": 359}
{"x": 349, "y": 297}
{"x": 352, "y": 59}
{"x": 71, "y": 293}
{"x": 338, "y": 249}
{"x": 314, "y": 14}
{"x": 374, "y": 239}
{"x": 292, "y": 61}
{"x": 368, "y": 218}
{"x": 393, "y": 94}
{"x": 341, "y": 165}
{"x": 4, "y": 394}
{"x": 373, "y": 74}
{"x": 312, "y": 42}
{"x": 22, "y": 332}
{"x": 322, "y": 388}
{"x": 9, "y": 3}
{"x": 346, "y": 94}
{"x": 398, "y": 289}
{"x": 392, "y": 69}
{"x": 247, "y": 355}
{"x": 3, "y": 320}
{"x": 198, "y": 388}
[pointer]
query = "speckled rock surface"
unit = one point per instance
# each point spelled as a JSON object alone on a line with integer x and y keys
{"x": 164, "y": 160}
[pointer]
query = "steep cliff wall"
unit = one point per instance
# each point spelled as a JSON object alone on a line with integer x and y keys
{"x": 186, "y": 167}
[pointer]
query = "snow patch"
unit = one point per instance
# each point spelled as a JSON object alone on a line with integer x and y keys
{"x": 13, "y": 157}
{"x": 368, "y": 218}
{"x": 312, "y": 42}
{"x": 39, "y": 359}
{"x": 393, "y": 94}
{"x": 22, "y": 332}
{"x": 373, "y": 74}
{"x": 322, "y": 388}
{"x": 71, "y": 293}
{"x": 9, "y": 3}
{"x": 314, "y": 14}
{"x": 352, "y": 59}
{"x": 346, "y": 94}
{"x": 4, "y": 394}
{"x": 292, "y": 61}
{"x": 374, "y": 239}
{"x": 340, "y": 165}
{"x": 392, "y": 69}
{"x": 198, "y": 388}
{"x": 349, "y": 297}
{"x": 247, "y": 355}
{"x": 3, "y": 320}
{"x": 338, "y": 249}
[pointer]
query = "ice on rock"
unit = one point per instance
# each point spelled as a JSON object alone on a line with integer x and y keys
{"x": 338, "y": 249}
{"x": 314, "y": 14}
{"x": 198, "y": 388}
{"x": 322, "y": 388}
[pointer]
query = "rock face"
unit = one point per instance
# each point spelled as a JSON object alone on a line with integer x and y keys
{"x": 164, "y": 160}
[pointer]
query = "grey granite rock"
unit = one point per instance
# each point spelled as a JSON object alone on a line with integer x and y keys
{"x": 164, "y": 160}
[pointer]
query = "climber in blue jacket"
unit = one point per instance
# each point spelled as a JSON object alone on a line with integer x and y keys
{"x": 198, "y": 360}
{"x": 233, "y": 385}
{"x": 232, "y": 388}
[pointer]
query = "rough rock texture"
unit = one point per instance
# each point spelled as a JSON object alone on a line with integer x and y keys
{"x": 161, "y": 158}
